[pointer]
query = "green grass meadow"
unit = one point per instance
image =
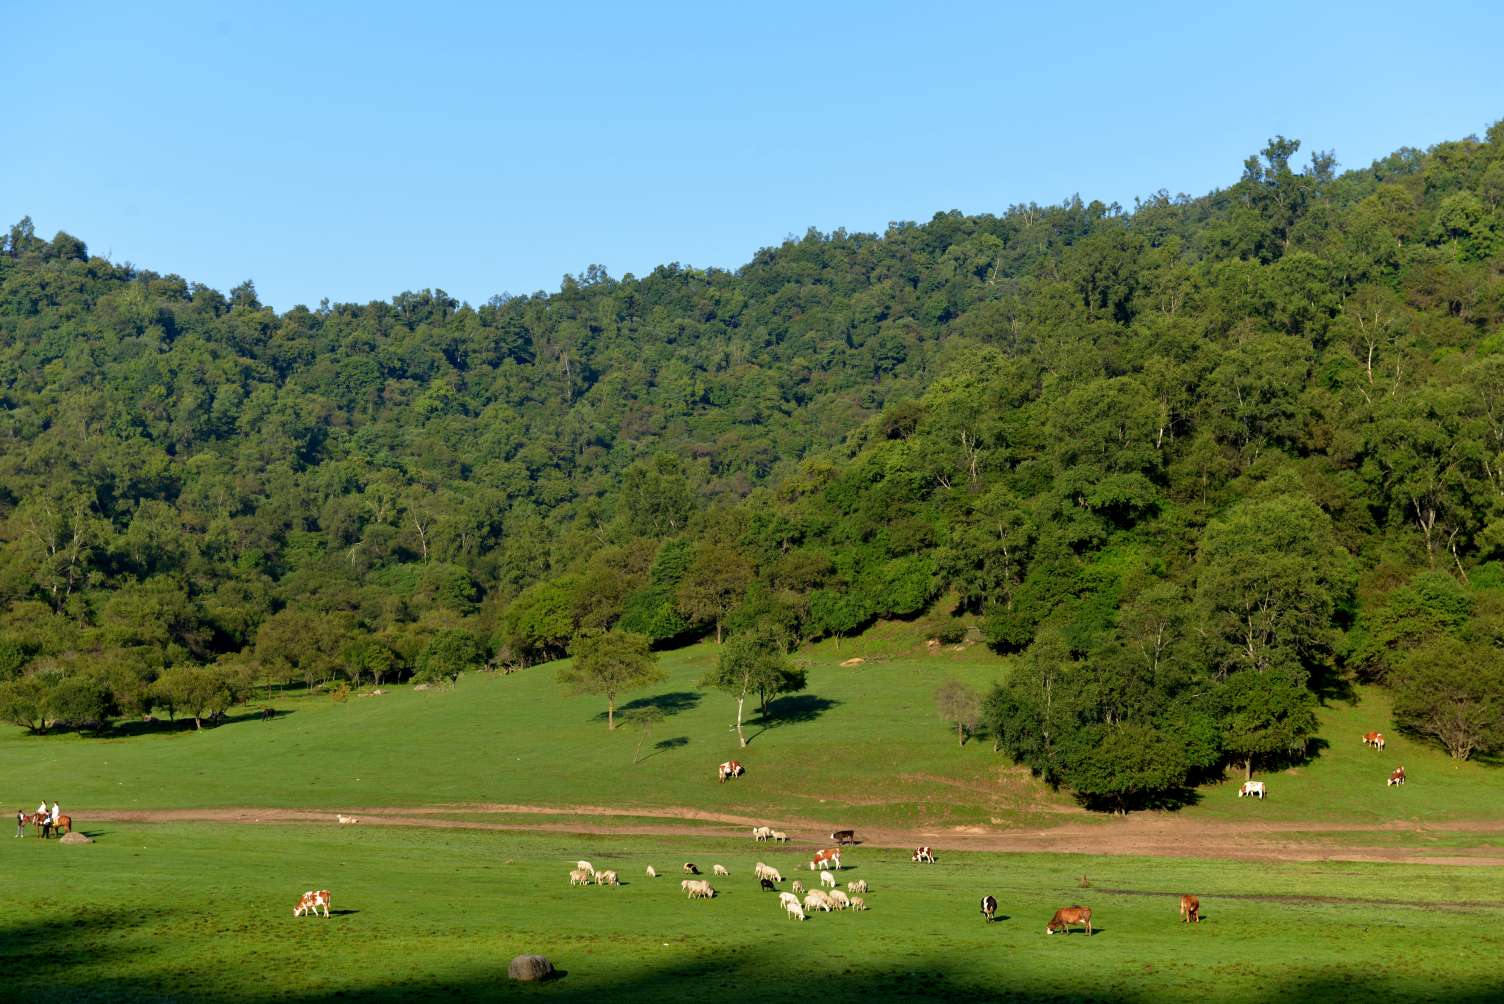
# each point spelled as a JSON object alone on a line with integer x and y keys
{"x": 201, "y": 912}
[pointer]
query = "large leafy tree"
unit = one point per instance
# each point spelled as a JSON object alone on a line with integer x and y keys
{"x": 608, "y": 665}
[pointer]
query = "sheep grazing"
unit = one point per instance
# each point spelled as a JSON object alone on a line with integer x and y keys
{"x": 779, "y": 836}
{"x": 798, "y": 888}
{"x": 767, "y": 872}
{"x": 690, "y": 868}
{"x": 858, "y": 904}
{"x": 761, "y": 833}
{"x": 585, "y": 866}
{"x": 347, "y": 820}
{"x": 607, "y": 877}
{"x": 817, "y": 900}
{"x": 652, "y": 872}
{"x": 860, "y": 885}
{"x": 719, "y": 870}
{"x": 794, "y": 910}
{"x": 786, "y": 898}
{"x": 700, "y": 889}
{"x": 827, "y": 880}
{"x": 579, "y": 876}
{"x": 839, "y": 900}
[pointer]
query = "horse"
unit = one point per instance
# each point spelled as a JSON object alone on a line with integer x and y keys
{"x": 63, "y": 825}
{"x": 42, "y": 821}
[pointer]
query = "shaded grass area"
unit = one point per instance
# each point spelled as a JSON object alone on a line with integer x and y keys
{"x": 204, "y": 913}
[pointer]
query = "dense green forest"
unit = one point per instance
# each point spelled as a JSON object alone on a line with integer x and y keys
{"x": 1199, "y": 464}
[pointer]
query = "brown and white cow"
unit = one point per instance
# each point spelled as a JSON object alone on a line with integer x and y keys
{"x": 923, "y": 854}
{"x": 1374, "y": 739}
{"x": 1190, "y": 909}
{"x": 1396, "y": 777}
{"x": 731, "y": 768}
{"x": 828, "y": 858}
{"x": 311, "y": 901}
{"x": 1066, "y": 916}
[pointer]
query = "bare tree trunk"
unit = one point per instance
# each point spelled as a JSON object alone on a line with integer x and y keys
{"x": 610, "y": 714}
{"x": 1248, "y": 769}
{"x": 741, "y": 738}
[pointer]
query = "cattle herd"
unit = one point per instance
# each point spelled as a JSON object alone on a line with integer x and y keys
{"x": 1373, "y": 740}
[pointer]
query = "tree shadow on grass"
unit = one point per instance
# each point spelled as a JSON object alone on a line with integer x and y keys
{"x": 672, "y": 703}
{"x": 138, "y": 727}
{"x": 665, "y": 746}
{"x": 792, "y": 711}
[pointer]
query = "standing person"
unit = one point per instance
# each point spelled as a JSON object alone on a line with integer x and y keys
{"x": 20, "y": 822}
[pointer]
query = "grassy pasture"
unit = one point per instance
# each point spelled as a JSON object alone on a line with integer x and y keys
{"x": 203, "y": 912}
{"x": 862, "y": 746}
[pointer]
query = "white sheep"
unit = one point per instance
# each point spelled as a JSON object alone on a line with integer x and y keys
{"x": 787, "y": 897}
{"x": 794, "y": 910}
{"x": 585, "y": 866}
{"x": 860, "y": 885}
{"x": 772, "y": 875}
{"x": 607, "y": 877}
{"x": 779, "y": 836}
{"x": 579, "y": 876}
{"x": 719, "y": 870}
{"x": 857, "y": 903}
{"x": 652, "y": 872}
{"x": 817, "y": 900}
{"x": 798, "y": 888}
{"x": 347, "y": 820}
{"x": 827, "y": 880}
{"x": 761, "y": 833}
{"x": 702, "y": 890}
{"x": 839, "y": 900}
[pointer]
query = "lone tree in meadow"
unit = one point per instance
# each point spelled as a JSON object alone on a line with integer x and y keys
{"x": 610, "y": 664}
{"x": 644, "y": 720}
{"x": 753, "y": 663}
{"x": 960, "y": 704}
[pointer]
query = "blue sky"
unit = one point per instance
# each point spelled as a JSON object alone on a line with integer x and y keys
{"x": 358, "y": 150}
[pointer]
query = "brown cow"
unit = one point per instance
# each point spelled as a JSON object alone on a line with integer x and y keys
{"x": 311, "y": 901}
{"x": 1066, "y": 916}
{"x": 1190, "y": 909}
{"x": 1374, "y": 739}
{"x": 1397, "y": 777}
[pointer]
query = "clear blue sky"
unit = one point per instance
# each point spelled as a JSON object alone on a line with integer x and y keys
{"x": 357, "y": 150}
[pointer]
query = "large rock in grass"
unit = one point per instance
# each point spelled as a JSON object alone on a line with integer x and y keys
{"x": 76, "y": 838}
{"x": 530, "y": 967}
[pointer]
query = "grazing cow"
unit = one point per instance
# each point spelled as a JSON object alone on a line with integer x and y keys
{"x": 1253, "y": 789}
{"x": 579, "y": 876}
{"x": 1190, "y": 909}
{"x": 989, "y": 908}
{"x": 860, "y": 885}
{"x": 585, "y": 866}
{"x": 827, "y": 880}
{"x": 839, "y": 899}
{"x": 794, "y": 910}
{"x": 731, "y": 768}
{"x": 858, "y": 904}
{"x": 798, "y": 887}
{"x": 719, "y": 870}
{"x": 1396, "y": 777}
{"x": 1067, "y": 916}
{"x": 923, "y": 854}
{"x": 767, "y": 885}
{"x": 690, "y": 868}
{"x": 842, "y": 837}
{"x": 779, "y": 836}
{"x": 761, "y": 832}
{"x": 607, "y": 877}
{"x": 1374, "y": 740}
{"x": 830, "y": 858}
{"x": 310, "y": 902}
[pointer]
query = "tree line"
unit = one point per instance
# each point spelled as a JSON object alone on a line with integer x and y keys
{"x": 1198, "y": 464}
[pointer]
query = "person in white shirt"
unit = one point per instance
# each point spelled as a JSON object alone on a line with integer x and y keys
{"x": 55, "y": 813}
{"x": 42, "y": 809}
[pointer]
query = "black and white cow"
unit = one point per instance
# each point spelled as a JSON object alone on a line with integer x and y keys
{"x": 989, "y": 908}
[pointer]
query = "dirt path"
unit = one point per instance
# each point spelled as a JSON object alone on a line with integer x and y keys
{"x": 1147, "y": 835}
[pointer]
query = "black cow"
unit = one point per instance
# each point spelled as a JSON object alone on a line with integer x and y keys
{"x": 843, "y": 836}
{"x": 989, "y": 908}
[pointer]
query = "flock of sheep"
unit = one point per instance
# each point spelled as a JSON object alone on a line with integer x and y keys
{"x": 827, "y": 897}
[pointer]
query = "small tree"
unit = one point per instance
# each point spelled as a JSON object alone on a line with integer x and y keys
{"x": 609, "y": 664}
{"x": 644, "y": 720}
{"x": 448, "y": 654}
{"x": 751, "y": 663}
{"x": 958, "y": 703}
{"x": 1453, "y": 693}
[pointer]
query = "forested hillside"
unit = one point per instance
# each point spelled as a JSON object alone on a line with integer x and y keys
{"x": 1198, "y": 463}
